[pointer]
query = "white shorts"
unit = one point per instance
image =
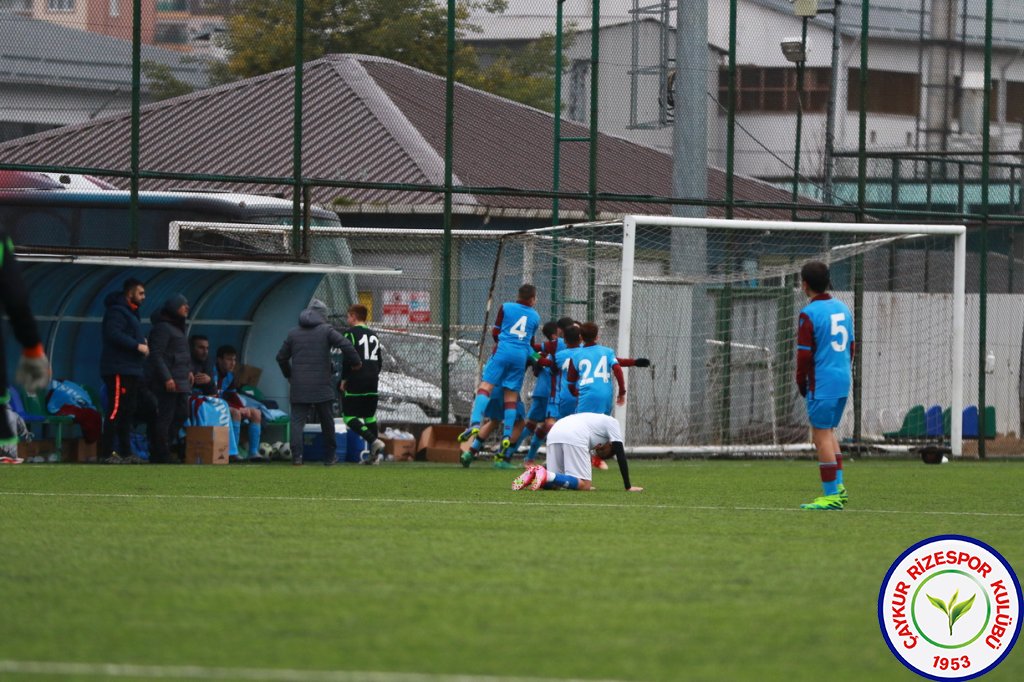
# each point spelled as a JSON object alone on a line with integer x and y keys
{"x": 574, "y": 460}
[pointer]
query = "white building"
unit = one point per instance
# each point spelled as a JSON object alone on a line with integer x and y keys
{"x": 907, "y": 75}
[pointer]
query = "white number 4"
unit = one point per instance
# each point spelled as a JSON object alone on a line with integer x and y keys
{"x": 840, "y": 337}
{"x": 519, "y": 328}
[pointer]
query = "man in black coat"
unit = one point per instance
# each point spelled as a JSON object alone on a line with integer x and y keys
{"x": 122, "y": 361}
{"x": 305, "y": 360}
{"x": 170, "y": 376}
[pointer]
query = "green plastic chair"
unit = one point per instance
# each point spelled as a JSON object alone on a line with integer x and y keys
{"x": 34, "y": 406}
{"x": 914, "y": 424}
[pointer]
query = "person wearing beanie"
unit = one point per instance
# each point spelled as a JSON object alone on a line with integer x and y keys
{"x": 122, "y": 361}
{"x": 305, "y": 360}
{"x": 170, "y": 376}
{"x": 33, "y": 371}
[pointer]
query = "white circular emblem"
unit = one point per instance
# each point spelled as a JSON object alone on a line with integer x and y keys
{"x": 949, "y": 608}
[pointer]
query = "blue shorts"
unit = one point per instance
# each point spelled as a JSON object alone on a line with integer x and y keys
{"x": 505, "y": 371}
{"x": 562, "y": 408}
{"x": 538, "y": 409}
{"x": 496, "y": 410}
{"x": 601, "y": 403}
{"x": 825, "y": 413}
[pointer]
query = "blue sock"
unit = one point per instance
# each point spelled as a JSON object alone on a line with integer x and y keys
{"x": 839, "y": 477}
{"x": 510, "y": 420}
{"x": 534, "y": 447}
{"x": 477, "y": 444}
{"x": 236, "y": 429}
{"x": 566, "y": 481}
{"x": 829, "y": 487}
{"x": 479, "y": 405}
{"x": 255, "y": 429}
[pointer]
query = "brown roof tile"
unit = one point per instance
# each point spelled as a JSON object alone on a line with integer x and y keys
{"x": 373, "y": 120}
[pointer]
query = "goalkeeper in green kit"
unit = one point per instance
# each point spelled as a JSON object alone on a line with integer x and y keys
{"x": 33, "y": 369}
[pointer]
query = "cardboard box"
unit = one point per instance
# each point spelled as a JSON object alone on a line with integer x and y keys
{"x": 27, "y": 449}
{"x": 248, "y": 375}
{"x": 207, "y": 443}
{"x": 77, "y": 450}
{"x": 402, "y": 449}
{"x": 438, "y": 443}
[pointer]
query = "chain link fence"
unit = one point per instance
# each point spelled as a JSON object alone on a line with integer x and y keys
{"x": 901, "y": 111}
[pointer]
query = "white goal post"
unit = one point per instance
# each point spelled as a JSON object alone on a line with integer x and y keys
{"x": 958, "y": 234}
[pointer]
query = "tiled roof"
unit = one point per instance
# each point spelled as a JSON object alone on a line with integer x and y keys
{"x": 374, "y": 120}
{"x": 40, "y": 52}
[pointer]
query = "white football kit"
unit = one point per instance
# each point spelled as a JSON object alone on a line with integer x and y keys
{"x": 571, "y": 439}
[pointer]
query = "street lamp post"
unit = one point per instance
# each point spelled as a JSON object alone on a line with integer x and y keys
{"x": 807, "y": 9}
{"x": 830, "y": 119}
{"x": 796, "y": 51}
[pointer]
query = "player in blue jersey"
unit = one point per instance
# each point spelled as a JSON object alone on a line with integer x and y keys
{"x": 494, "y": 415}
{"x": 590, "y": 372}
{"x": 824, "y": 355}
{"x": 542, "y": 386}
{"x": 513, "y": 332}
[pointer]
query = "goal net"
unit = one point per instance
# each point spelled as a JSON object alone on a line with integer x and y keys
{"x": 714, "y": 305}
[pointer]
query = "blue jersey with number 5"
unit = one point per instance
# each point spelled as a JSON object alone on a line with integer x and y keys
{"x": 826, "y": 329}
{"x": 516, "y": 325}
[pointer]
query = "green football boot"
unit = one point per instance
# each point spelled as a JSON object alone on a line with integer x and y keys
{"x": 469, "y": 433}
{"x": 843, "y": 495}
{"x": 825, "y": 502}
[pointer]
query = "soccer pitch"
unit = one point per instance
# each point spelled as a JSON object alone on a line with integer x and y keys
{"x": 430, "y": 573}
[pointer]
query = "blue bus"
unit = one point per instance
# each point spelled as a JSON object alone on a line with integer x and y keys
{"x": 43, "y": 216}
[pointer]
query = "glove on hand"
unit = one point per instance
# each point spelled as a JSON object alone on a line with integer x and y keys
{"x": 33, "y": 373}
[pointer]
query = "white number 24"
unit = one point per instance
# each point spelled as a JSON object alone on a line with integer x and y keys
{"x": 840, "y": 336}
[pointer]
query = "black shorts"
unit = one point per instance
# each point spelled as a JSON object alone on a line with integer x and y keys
{"x": 361, "y": 406}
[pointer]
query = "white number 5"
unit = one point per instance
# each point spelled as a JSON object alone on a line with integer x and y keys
{"x": 840, "y": 337}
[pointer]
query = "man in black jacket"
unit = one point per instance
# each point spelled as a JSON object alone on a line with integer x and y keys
{"x": 170, "y": 376}
{"x": 33, "y": 369}
{"x": 305, "y": 360}
{"x": 121, "y": 365}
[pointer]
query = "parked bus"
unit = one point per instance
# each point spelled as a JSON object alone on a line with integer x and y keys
{"x": 44, "y": 215}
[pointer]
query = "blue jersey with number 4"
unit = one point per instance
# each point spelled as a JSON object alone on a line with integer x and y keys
{"x": 516, "y": 326}
{"x": 826, "y": 328}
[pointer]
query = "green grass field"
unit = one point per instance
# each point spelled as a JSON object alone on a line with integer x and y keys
{"x": 432, "y": 572}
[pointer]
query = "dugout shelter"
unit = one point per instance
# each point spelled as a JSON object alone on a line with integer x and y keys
{"x": 246, "y": 304}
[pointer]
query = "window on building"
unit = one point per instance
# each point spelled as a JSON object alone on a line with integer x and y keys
{"x": 60, "y": 5}
{"x": 579, "y": 86}
{"x": 174, "y": 33}
{"x": 889, "y": 92}
{"x": 1014, "y": 102}
{"x": 15, "y": 5}
{"x": 775, "y": 89}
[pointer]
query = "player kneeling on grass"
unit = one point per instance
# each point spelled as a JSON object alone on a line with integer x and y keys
{"x": 825, "y": 348}
{"x": 569, "y": 444}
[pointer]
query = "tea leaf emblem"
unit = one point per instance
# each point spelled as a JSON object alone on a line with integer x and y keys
{"x": 953, "y": 611}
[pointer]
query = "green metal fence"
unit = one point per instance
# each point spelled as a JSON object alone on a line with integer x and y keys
{"x": 897, "y": 110}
